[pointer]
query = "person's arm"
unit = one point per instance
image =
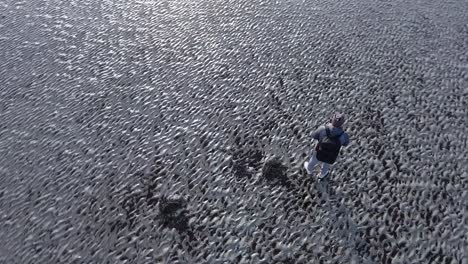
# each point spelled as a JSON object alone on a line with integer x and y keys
{"x": 316, "y": 133}
{"x": 345, "y": 140}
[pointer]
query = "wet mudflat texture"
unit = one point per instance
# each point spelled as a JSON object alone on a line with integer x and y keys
{"x": 175, "y": 131}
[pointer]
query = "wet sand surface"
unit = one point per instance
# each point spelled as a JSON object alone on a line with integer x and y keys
{"x": 175, "y": 131}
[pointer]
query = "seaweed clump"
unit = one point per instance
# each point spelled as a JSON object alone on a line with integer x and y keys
{"x": 274, "y": 171}
{"x": 173, "y": 213}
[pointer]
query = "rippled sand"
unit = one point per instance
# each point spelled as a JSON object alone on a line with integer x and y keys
{"x": 175, "y": 131}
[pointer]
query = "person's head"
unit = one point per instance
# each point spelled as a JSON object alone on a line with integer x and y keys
{"x": 338, "y": 119}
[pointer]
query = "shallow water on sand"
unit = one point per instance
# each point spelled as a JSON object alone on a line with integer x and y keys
{"x": 175, "y": 131}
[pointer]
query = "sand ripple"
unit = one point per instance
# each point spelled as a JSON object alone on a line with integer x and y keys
{"x": 175, "y": 131}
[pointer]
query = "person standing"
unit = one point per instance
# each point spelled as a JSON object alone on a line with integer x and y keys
{"x": 331, "y": 137}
